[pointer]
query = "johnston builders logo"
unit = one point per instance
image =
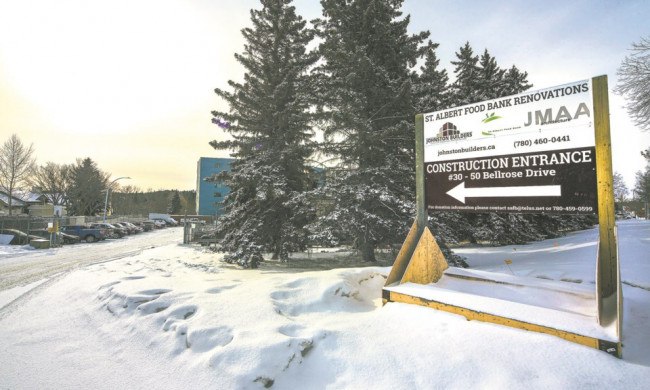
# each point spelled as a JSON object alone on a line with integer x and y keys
{"x": 448, "y": 132}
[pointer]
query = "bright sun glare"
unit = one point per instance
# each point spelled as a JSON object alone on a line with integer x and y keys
{"x": 103, "y": 67}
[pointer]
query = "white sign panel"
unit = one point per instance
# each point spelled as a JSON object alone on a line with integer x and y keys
{"x": 532, "y": 152}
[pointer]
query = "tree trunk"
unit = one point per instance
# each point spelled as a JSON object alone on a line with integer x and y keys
{"x": 277, "y": 249}
{"x": 367, "y": 249}
{"x": 11, "y": 191}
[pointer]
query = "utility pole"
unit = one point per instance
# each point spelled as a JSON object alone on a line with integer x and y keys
{"x": 108, "y": 189}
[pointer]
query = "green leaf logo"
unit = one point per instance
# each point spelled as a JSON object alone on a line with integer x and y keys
{"x": 490, "y": 118}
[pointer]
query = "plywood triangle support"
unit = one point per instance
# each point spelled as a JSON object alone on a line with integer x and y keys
{"x": 404, "y": 255}
{"x": 427, "y": 262}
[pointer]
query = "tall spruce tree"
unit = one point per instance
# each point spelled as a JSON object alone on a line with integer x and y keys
{"x": 481, "y": 78}
{"x": 87, "y": 182}
{"x": 515, "y": 81}
{"x": 366, "y": 91}
{"x": 430, "y": 89}
{"x": 270, "y": 124}
{"x": 174, "y": 203}
{"x": 490, "y": 78}
{"x": 465, "y": 89}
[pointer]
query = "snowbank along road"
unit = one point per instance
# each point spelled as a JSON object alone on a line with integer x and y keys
{"x": 20, "y": 269}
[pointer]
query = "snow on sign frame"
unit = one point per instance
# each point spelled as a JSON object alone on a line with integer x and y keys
{"x": 528, "y": 153}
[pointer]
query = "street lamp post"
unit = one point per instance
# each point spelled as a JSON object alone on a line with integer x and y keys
{"x": 108, "y": 189}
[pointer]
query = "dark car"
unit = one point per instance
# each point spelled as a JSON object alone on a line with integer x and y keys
{"x": 88, "y": 234}
{"x": 112, "y": 231}
{"x": 146, "y": 226}
{"x": 126, "y": 227}
{"x": 137, "y": 228}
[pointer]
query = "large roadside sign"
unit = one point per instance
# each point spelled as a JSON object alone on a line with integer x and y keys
{"x": 546, "y": 151}
{"x": 527, "y": 153}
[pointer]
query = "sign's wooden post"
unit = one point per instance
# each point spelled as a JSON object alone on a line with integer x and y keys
{"x": 420, "y": 196}
{"x": 420, "y": 259}
{"x": 607, "y": 267}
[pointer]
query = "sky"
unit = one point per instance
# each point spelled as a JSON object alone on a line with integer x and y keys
{"x": 130, "y": 83}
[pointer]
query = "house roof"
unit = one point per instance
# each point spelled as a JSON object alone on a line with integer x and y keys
{"x": 4, "y": 198}
{"x": 29, "y": 196}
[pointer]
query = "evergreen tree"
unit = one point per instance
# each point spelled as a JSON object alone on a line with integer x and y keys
{"x": 465, "y": 89}
{"x": 490, "y": 78}
{"x": 481, "y": 78}
{"x": 367, "y": 104}
{"x": 174, "y": 203}
{"x": 515, "y": 82}
{"x": 87, "y": 182}
{"x": 642, "y": 185}
{"x": 270, "y": 123}
{"x": 430, "y": 89}
{"x": 131, "y": 200}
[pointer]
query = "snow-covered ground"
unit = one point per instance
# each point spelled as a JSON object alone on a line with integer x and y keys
{"x": 175, "y": 317}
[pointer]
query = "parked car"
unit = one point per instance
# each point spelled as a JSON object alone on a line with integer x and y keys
{"x": 129, "y": 230}
{"x": 88, "y": 234}
{"x": 137, "y": 228}
{"x": 169, "y": 221}
{"x": 130, "y": 227}
{"x": 112, "y": 231}
{"x": 146, "y": 225}
{"x": 159, "y": 223}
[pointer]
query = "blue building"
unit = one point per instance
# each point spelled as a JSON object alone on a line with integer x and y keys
{"x": 210, "y": 195}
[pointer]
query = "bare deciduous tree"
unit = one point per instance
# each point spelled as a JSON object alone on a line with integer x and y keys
{"x": 16, "y": 165}
{"x": 620, "y": 188}
{"x": 634, "y": 83}
{"x": 53, "y": 180}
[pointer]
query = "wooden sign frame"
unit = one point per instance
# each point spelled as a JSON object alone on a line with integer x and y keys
{"x": 420, "y": 260}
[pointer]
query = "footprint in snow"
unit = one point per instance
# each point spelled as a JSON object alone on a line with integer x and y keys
{"x": 206, "y": 339}
{"x": 159, "y": 291}
{"x": 178, "y": 315}
{"x": 154, "y": 305}
{"x": 217, "y": 290}
{"x": 134, "y": 277}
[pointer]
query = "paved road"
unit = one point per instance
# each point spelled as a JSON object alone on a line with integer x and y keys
{"x": 25, "y": 268}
